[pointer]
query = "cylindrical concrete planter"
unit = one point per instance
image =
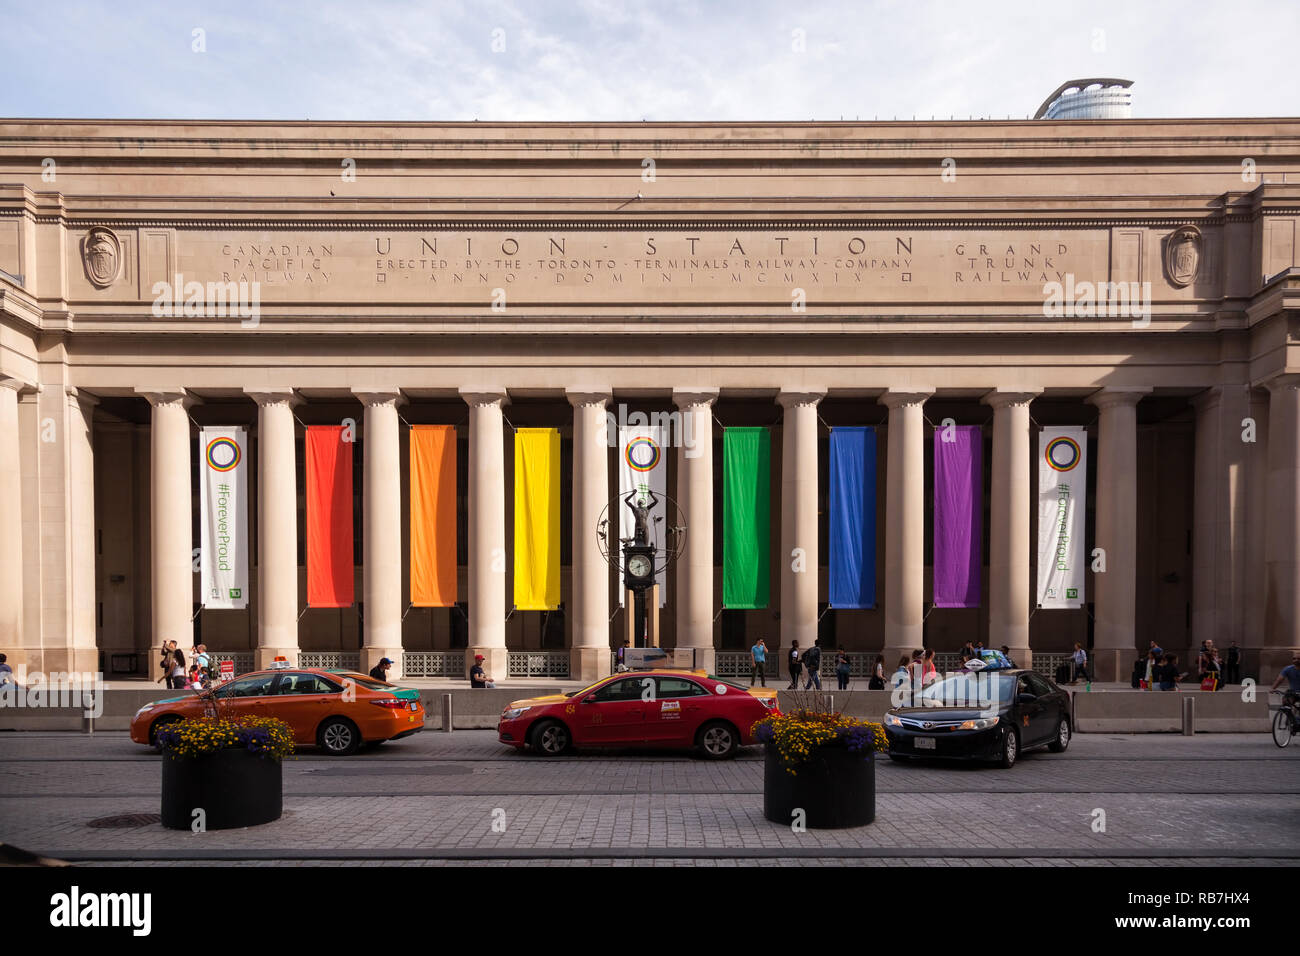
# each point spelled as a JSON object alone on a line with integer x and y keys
{"x": 835, "y": 789}
{"x": 233, "y": 788}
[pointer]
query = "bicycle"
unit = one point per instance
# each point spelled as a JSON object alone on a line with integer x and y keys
{"x": 1285, "y": 723}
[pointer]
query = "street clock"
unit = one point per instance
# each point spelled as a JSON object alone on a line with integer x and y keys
{"x": 639, "y": 567}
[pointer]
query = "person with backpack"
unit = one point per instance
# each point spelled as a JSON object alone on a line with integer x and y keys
{"x": 842, "y": 670}
{"x": 812, "y": 662}
{"x": 877, "y": 681}
{"x": 794, "y": 664}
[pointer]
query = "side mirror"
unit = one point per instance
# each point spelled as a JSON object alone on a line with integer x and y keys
{"x": 589, "y": 699}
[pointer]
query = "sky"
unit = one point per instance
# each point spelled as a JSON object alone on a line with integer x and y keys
{"x": 610, "y": 60}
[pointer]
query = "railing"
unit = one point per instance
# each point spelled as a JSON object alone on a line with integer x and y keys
{"x": 740, "y": 664}
{"x": 1046, "y": 664}
{"x": 330, "y": 660}
{"x": 433, "y": 664}
{"x": 537, "y": 664}
{"x": 243, "y": 660}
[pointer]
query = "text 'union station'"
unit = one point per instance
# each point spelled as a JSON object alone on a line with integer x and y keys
{"x": 348, "y": 391}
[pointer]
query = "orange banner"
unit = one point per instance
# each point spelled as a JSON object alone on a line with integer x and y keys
{"x": 329, "y": 517}
{"x": 433, "y": 515}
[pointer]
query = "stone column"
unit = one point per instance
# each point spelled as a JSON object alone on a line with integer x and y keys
{"x": 1115, "y": 601}
{"x": 1282, "y": 542}
{"x": 695, "y": 566}
{"x": 799, "y": 518}
{"x": 487, "y": 531}
{"x": 277, "y": 527}
{"x": 171, "y": 518}
{"x": 905, "y": 522}
{"x": 83, "y": 653}
{"x": 1010, "y": 501}
{"x": 381, "y": 529}
{"x": 11, "y": 521}
{"x": 589, "y": 655}
{"x": 1222, "y": 464}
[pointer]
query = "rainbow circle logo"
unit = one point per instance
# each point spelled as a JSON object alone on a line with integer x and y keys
{"x": 1062, "y": 454}
{"x": 223, "y": 454}
{"x": 642, "y": 454}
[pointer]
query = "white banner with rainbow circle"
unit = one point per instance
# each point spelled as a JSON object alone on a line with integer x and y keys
{"x": 223, "y": 517}
{"x": 643, "y": 469}
{"x": 1062, "y": 506}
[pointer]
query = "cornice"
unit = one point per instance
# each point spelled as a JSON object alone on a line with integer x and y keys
{"x": 593, "y": 224}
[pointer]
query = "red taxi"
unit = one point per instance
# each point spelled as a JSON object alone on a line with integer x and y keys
{"x": 655, "y": 708}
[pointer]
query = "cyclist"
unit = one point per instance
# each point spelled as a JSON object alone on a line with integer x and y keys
{"x": 1292, "y": 675}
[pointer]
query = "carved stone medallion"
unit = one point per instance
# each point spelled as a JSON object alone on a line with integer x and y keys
{"x": 1183, "y": 255}
{"x": 101, "y": 253}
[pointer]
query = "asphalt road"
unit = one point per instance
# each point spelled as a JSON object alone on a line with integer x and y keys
{"x": 1160, "y": 800}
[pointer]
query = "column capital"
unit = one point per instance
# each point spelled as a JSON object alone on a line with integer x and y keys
{"x": 274, "y": 395}
{"x": 588, "y": 396}
{"x": 897, "y": 397}
{"x": 1127, "y": 395}
{"x": 1001, "y": 398}
{"x": 80, "y": 397}
{"x": 694, "y": 396}
{"x": 167, "y": 396}
{"x": 1282, "y": 380}
{"x": 379, "y": 396}
{"x": 484, "y": 395}
{"x": 792, "y": 398}
{"x": 17, "y": 384}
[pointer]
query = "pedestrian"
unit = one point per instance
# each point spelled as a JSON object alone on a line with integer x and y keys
{"x": 899, "y": 676}
{"x": 916, "y": 670}
{"x": 758, "y": 663}
{"x": 1290, "y": 674}
{"x": 1080, "y": 661}
{"x": 1232, "y": 672}
{"x": 477, "y": 676}
{"x": 842, "y": 670}
{"x": 812, "y": 662}
{"x": 177, "y": 681}
{"x": 930, "y": 672}
{"x": 6, "y": 672}
{"x": 166, "y": 661}
{"x": 1167, "y": 676}
{"x": 1153, "y": 662}
{"x": 1211, "y": 679}
{"x": 1006, "y": 652}
{"x": 1157, "y": 650}
{"x": 877, "y": 681}
{"x": 795, "y": 665}
{"x": 380, "y": 670}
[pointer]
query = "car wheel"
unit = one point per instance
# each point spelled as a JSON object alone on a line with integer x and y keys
{"x": 718, "y": 740}
{"x": 1062, "y": 737}
{"x": 338, "y": 737}
{"x": 551, "y": 738}
{"x": 158, "y": 725}
{"x": 1010, "y": 749}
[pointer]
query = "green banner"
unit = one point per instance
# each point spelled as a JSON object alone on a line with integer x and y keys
{"x": 746, "y": 517}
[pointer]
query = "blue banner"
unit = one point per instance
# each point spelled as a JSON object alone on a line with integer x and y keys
{"x": 852, "y": 518}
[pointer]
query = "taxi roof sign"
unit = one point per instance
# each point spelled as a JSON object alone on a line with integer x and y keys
{"x": 280, "y": 663}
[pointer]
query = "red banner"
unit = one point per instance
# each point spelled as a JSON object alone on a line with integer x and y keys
{"x": 329, "y": 517}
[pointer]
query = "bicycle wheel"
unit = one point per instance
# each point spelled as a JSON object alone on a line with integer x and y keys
{"x": 1282, "y": 727}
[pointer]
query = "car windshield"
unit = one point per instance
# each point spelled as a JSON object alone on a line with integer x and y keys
{"x": 967, "y": 690}
{"x": 586, "y": 690}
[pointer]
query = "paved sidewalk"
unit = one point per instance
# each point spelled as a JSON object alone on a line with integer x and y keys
{"x": 1205, "y": 800}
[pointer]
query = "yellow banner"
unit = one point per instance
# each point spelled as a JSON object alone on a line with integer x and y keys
{"x": 433, "y": 515}
{"x": 537, "y": 519}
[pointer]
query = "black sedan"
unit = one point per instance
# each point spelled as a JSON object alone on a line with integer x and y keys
{"x": 985, "y": 715}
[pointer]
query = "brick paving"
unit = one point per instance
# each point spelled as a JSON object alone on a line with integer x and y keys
{"x": 1209, "y": 800}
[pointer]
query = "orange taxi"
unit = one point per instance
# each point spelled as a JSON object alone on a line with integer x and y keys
{"x": 338, "y": 711}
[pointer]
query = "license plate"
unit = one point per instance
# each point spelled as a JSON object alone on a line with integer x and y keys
{"x": 414, "y": 705}
{"x": 923, "y": 743}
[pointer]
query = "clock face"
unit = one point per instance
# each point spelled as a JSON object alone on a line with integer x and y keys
{"x": 638, "y": 566}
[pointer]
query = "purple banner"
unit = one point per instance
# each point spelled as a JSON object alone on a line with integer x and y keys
{"x": 958, "y": 515}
